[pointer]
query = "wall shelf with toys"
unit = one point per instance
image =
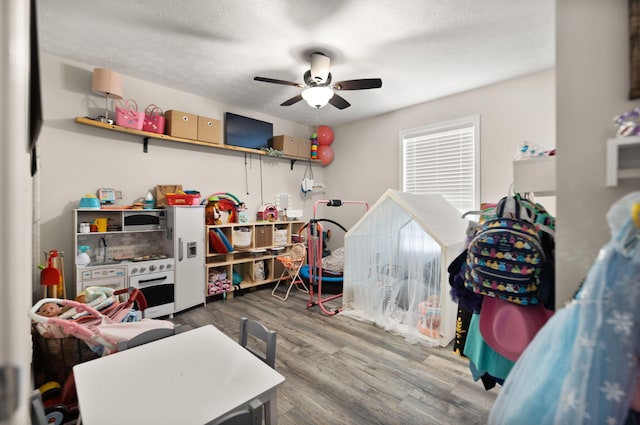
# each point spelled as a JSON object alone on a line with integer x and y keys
{"x": 623, "y": 159}
{"x": 146, "y": 135}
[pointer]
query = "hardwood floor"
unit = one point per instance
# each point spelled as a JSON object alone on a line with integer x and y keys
{"x": 341, "y": 371}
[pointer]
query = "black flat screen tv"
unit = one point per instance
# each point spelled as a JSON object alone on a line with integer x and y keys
{"x": 246, "y": 132}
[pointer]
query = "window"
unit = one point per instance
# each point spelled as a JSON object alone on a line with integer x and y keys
{"x": 443, "y": 159}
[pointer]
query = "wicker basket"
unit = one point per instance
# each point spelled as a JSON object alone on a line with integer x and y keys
{"x": 53, "y": 358}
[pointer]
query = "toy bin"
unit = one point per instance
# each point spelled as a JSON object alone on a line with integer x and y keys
{"x": 181, "y": 124}
{"x": 280, "y": 237}
{"x": 54, "y": 358}
{"x": 241, "y": 237}
{"x": 179, "y": 199}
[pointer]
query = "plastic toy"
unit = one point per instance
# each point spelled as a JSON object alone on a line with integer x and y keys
{"x": 212, "y": 211}
{"x": 227, "y": 205}
{"x": 267, "y": 212}
{"x": 325, "y": 135}
{"x": 314, "y": 146}
{"x": 628, "y": 123}
{"x": 325, "y": 154}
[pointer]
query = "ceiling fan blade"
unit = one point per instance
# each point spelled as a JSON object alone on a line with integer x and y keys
{"x": 294, "y": 99}
{"x": 361, "y": 84}
{"x": 274, "y": 81}
{"x": 339, "y": 102}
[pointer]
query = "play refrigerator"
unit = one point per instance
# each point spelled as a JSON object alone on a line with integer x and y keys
{"x": 185, "y": 240}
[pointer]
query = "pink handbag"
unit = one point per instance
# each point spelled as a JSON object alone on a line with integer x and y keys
{"x": 127, "y": 114}
{"x": 153, "y": 119}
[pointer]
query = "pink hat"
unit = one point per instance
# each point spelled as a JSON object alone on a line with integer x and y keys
{"x": 508, "y": 327}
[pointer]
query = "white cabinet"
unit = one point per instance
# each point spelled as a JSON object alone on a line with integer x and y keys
{"x": 623, "y": 159}
{"x": 535, "y": 175}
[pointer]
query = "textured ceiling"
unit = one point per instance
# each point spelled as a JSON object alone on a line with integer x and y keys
{"x": 422, "y": 49}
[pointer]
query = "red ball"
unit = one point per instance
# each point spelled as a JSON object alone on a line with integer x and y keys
{"x": 325, "y": 154}
{"x": 325, "y": 135}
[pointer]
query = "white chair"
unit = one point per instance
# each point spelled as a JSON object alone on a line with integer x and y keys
{"x": 249, "y": 416}
{"x": 148, "y": 336}
{"x": 251, "y": 328}
{"x": 292, "y": 262}
{"x": 36, "y": 410}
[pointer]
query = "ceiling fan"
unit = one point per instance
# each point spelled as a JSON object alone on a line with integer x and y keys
{"x": 318, "y": 88}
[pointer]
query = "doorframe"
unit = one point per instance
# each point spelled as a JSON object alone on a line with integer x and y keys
{"x": 16, "y": 262}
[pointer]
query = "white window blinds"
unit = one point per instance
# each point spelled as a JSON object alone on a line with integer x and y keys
{"x": 443, "y": 159}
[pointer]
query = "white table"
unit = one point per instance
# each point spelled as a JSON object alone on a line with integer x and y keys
{"x": 189, "y": 378}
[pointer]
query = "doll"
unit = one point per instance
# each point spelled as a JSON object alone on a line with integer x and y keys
{"x": 46, "y": 330}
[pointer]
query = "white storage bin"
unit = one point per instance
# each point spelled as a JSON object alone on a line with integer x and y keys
{"x": 280, "y": 237}
{"x": 241, "y": 238}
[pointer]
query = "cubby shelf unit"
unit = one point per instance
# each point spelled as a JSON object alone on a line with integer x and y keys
{"x": 264, "y": 235}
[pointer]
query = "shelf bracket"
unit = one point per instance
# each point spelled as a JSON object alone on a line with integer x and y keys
{"x": 145, "y": 145}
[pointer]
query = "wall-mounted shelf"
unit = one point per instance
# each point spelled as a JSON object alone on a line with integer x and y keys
{"x": 623, "y": 159}
{"x": 535, "y": 175}
{"x": 146, "y": 135}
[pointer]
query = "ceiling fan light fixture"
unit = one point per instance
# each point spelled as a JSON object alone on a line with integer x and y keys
{"x": 317, "y": 97}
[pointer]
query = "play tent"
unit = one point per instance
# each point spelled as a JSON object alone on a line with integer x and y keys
{"x": 395, "y": 272}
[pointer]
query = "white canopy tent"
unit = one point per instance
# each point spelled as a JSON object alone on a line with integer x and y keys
{"x": 396, "y": 259}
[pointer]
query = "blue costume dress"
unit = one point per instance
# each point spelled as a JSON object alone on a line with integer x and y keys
{"x": 582, "y": 366}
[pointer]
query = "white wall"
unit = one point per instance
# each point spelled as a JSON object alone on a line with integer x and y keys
{"x": 75, "y": 159}
{"x": 592, "y": 87}
{"x": 367, "y": 152}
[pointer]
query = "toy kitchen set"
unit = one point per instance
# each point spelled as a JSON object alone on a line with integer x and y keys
{"x": 159, "y": 251}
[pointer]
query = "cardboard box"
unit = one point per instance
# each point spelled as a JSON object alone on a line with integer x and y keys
{"x": 304, "y": 148}
{"x": 209, "y": 130}
{"x": 181, "y": 124}
{"x": 292, "y": 146}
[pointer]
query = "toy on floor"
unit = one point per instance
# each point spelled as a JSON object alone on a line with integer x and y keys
{"x": 429, "y": 323}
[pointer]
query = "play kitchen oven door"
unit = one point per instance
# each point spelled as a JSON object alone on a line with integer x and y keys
{"x": 158, "y": 289}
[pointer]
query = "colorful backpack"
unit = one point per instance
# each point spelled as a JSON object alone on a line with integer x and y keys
{"x": 506, "y": 257}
